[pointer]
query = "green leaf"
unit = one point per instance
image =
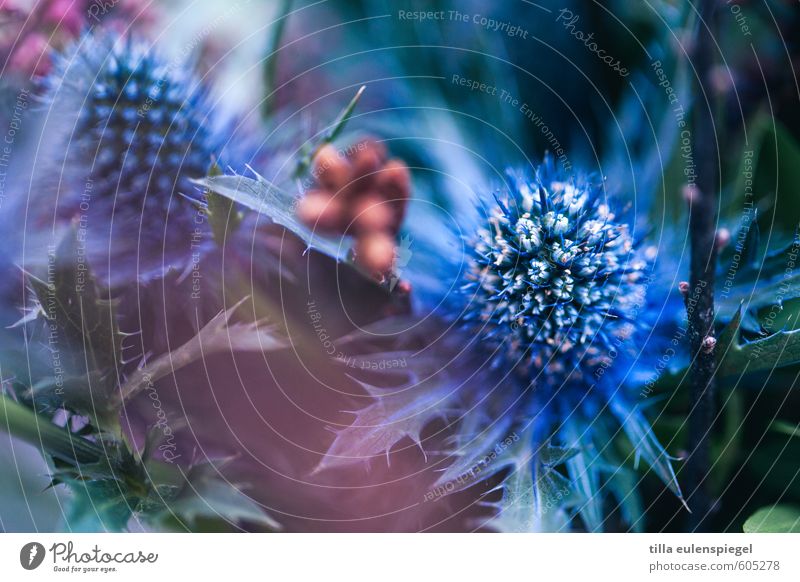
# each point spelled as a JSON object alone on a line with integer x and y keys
{"x": 786, "y": 428}
{"x": 70, "y": 300}
{"x": 774, "y": 519}
{"x": 271, "y": 56}
{"x": 535, "y": 495}
{"x": 645, "y": 444}
{"x": 81, "y": 331}
{"x": 23, "y": 423}
{"x": 204, "y": 495}
{"x": 477, "y": 434}
{"x": 763, "y": 355}
{"x": 584, "y": 470}
{"x": 778, "y": 174}
{"x": 266, "y": 198}
{"x": 223, "y": 216}
{"x": 336, "y": 129}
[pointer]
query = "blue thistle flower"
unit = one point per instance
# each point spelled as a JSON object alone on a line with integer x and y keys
{"x": 552, "y": 272}
{"x": 535, "y": 357}
{"x": 136, "y": 129}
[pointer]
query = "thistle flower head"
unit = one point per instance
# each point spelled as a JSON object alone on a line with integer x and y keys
{"x": 143, "y": 123}
{"x": 554, "y": 286}
{"x": 140, "y": 128}
{"x": 552, "y": 270}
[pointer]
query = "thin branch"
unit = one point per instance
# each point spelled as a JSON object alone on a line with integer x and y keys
{"x": 25, "y": 424}
{"x": 702, "y": 196}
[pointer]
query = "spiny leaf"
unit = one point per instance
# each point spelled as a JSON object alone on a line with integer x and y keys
{"x": 553, "y": 455}
{"x": 81, "y": 331}
{"x": 266, "y": 198}
{"x": 70, "y": 301}
{"x": 204, "y": 495}
{"x": 477, "y": 436}
{"x": 730, "y": 334}
{"x": 217, "y": 336}
{"x": 104, "y": 493}
{"x": 535, "y": 495}
{"x": 762, "y": 285}
{"x": 763, "y": 355}
{"x": 624, "y": 486}
{"x": 109, "y": 484}
{"x": 395, "y": 414}
{"x": 584, "y": 471}
{"x": 98, "y": 506}
{"x": 622, "y": 483}
{"x": 645, "y": 444}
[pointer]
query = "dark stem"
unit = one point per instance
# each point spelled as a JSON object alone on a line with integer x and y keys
{"x": 703, "y": 199}
{"x": 271, "y": 61}
{"x": 25, "y": 424}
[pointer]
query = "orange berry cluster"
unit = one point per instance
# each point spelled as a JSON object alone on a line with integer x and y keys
{"x": 362, "y": 193}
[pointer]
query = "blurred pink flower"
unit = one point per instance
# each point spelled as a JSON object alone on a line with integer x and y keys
{"x": 66, "y": 14}
{"x": 30, "y": 57}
